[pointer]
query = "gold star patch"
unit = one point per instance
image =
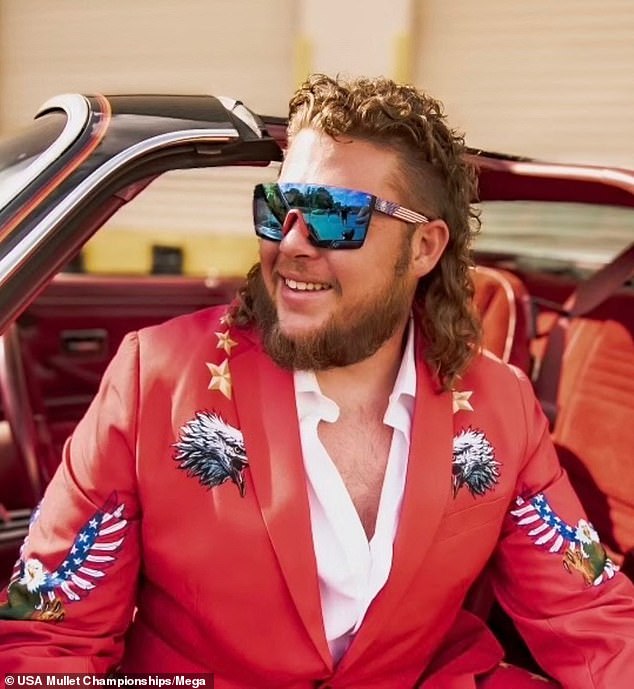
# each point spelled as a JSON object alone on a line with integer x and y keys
{"x": 226, "y": 319}
{"x": 461, "y": 401}
{"x": 220, "y": 378}
{"x": 225, "y": 342}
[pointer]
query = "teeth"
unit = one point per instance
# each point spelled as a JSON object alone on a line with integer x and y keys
{"x": 306, "y": 286}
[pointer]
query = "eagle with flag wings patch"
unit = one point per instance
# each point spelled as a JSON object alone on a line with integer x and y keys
{"x": 580, "y": 545}
{"x": 35, "y": 593}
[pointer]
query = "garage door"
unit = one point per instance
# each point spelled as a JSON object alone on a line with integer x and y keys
{"x": 540, "y": 78}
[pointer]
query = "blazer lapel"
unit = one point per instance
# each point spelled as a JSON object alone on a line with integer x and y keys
{"x": 427, "y": 489}
{"x": 265, "y": 403}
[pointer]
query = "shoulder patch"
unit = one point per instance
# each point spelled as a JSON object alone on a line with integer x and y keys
{"x": 35, "y": 593}
{"x": 579, "y": 543}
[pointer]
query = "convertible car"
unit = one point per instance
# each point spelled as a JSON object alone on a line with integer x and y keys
{"x": 554, "y": 260}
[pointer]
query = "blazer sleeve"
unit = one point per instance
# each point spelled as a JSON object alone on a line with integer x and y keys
{"x": 72, "y": 593}
{"x": 551, "y": 574}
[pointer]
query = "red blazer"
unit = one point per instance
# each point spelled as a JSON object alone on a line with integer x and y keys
{"x": 182, "y": 492}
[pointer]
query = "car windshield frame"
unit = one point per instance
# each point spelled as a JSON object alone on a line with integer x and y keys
{"x": 26, "y": 154}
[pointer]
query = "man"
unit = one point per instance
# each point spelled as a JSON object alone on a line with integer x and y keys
{"x": 299, "y": 490}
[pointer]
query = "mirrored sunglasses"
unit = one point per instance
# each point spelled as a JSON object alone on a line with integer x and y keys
{"x": 336, "y": 218}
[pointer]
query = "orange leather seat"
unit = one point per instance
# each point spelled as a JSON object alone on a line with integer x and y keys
{"x": 594, "y": 430}
{"x": 503, "y": 303}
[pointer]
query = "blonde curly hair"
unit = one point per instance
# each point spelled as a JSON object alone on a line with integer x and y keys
{"x": 434, "y": 179}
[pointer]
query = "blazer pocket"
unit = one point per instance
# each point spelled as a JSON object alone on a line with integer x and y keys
{"x": 471, "y": 518}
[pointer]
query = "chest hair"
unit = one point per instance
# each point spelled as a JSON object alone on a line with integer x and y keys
{"x": 359, "y": 445}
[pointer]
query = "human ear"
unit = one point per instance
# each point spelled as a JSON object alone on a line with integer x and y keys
{"x": 429, "y": 241}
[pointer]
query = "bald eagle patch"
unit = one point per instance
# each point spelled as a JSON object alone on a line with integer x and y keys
{"x": 212, "y": 450}
{"x": 474, "y": 464}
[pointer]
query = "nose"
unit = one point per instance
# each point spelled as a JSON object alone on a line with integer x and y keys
{"x": 296, "y": 236}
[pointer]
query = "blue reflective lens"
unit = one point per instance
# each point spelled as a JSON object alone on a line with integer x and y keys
{"x": 336, "y": 218}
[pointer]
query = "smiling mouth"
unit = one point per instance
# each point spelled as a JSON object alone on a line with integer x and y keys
{"x": 298, "y": 286}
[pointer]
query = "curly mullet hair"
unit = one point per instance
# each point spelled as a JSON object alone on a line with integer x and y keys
{"x": 434, "y": 179}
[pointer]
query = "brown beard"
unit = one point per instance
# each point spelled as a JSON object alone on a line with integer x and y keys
{"x": 345, "y": 339}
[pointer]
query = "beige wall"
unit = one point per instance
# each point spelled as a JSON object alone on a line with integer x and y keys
{"x": 240, "y": 48}
{"x": 533, "y": 77}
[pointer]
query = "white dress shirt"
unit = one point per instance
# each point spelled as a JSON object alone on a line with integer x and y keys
{"x": 352, "y": 570}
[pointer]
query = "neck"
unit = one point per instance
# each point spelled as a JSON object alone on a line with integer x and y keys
{"x": 366, "y": 384}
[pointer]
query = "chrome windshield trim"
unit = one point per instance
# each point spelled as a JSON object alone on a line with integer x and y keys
{"x": 19, "y": 254}
{"x": 77, "y": 111}
{"x": 239, "y": 109}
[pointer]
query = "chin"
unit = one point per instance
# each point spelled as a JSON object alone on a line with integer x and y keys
{"x": 299, "y": 329}
{"x": 304, "y": 321}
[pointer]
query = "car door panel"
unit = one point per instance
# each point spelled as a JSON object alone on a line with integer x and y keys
{"x": 72, "y": 330}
